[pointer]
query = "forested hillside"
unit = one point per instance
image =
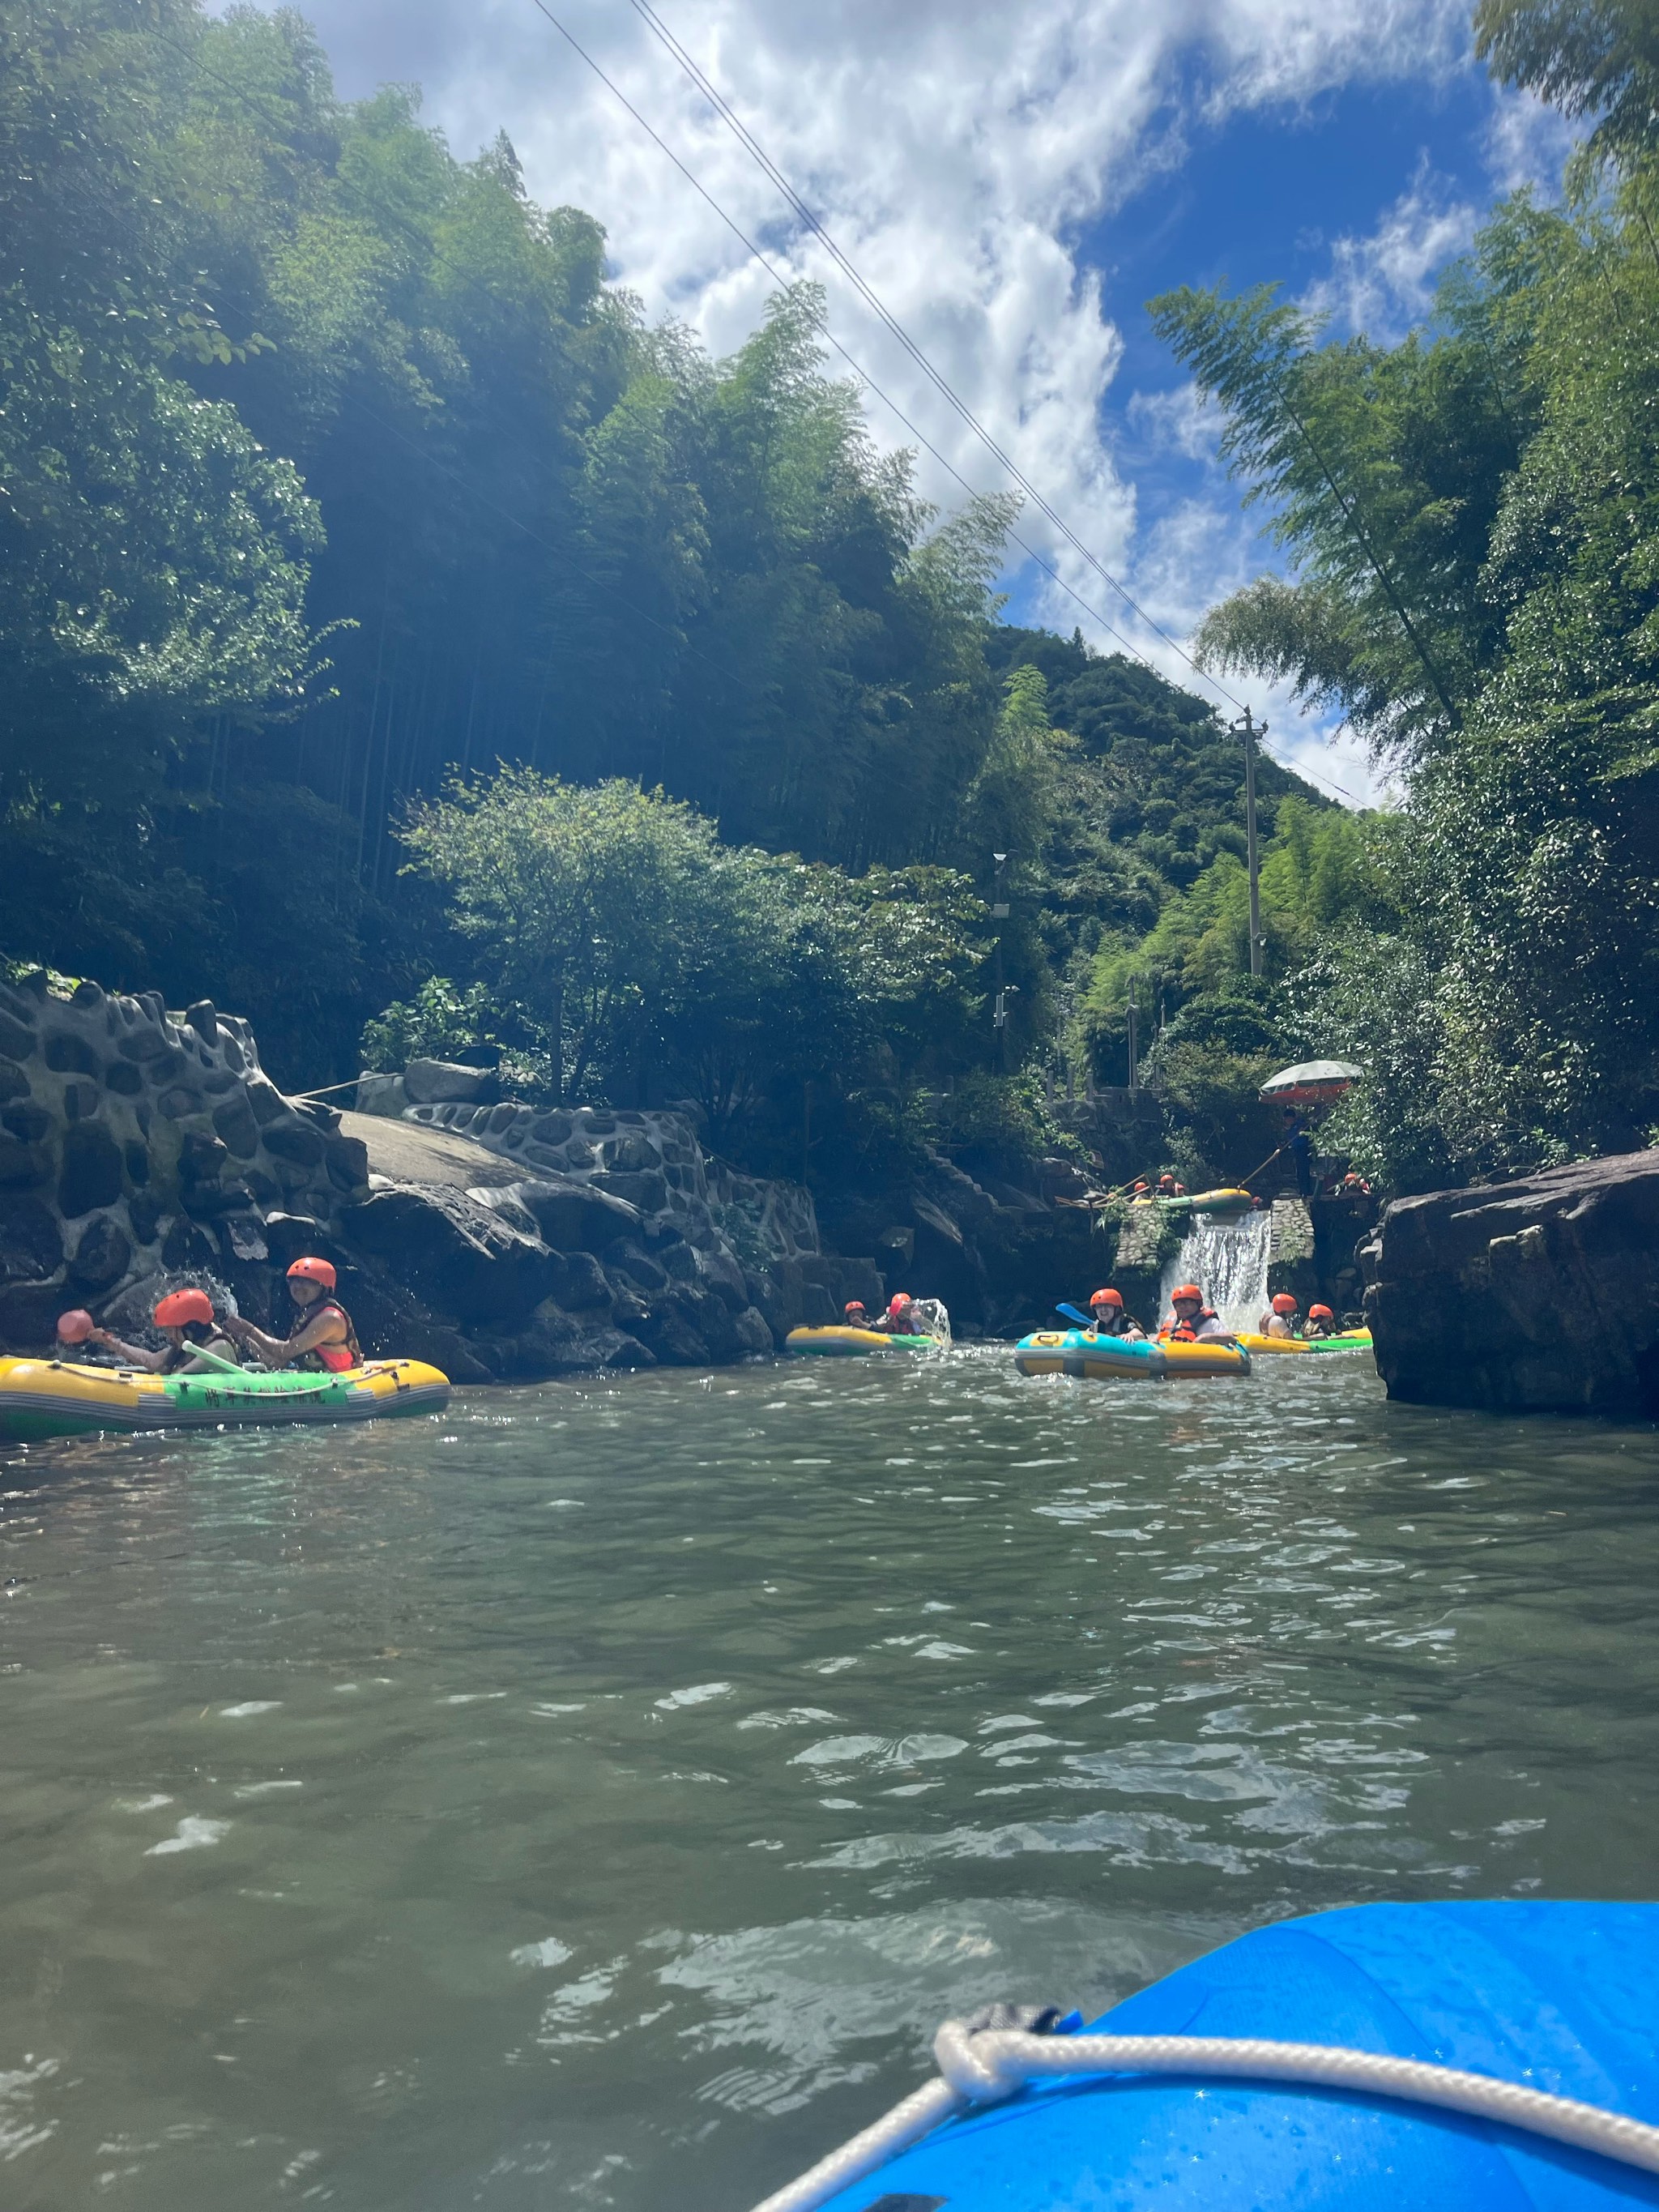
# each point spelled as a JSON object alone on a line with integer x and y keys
{"x": 397, "y": 630}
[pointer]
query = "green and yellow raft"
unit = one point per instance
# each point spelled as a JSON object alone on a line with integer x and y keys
{"x": 840, "y": 1343}
{"x": 41, "y": 1398}
{"x": 1357, "y": 1339}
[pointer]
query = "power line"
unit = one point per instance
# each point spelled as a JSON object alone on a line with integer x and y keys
{"x": 779, "y": 277}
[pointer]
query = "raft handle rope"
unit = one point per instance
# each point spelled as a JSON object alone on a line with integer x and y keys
{"x": 984, "y": 2066}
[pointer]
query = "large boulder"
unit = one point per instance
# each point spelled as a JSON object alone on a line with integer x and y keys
{"x": 1532, "y": 1296}
{"x": 461, "y": 1258}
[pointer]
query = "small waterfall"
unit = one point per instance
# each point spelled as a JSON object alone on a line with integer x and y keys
{"x": 1229, "y": 1261}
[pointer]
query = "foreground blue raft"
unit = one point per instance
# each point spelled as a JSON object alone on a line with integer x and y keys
{"x": 1563, "y": 1998}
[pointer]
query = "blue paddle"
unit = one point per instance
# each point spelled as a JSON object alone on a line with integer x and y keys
{"x": 1083, "y": 1320}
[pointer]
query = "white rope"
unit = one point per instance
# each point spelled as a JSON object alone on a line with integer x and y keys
{"x": 991, "y": 2065}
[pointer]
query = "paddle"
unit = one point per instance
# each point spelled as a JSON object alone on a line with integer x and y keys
{"x": 307, "y": 1389}
{"x": 1083, "y": 1320}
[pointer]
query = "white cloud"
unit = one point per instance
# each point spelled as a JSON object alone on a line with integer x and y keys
{"x": 1528, "y": 143}
{"x": 1382, "y": 284}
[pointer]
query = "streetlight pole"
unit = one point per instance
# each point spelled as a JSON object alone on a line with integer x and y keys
{"x": 1248, "y": 729}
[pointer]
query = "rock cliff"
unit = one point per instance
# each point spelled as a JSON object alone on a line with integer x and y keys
{"x": 1527, "y": 1295}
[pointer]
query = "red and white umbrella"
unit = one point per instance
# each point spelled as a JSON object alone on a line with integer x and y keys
{"x": 1311, "y": 1083}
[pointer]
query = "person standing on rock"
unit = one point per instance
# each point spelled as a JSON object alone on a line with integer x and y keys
{"x": 1111, "y": 1318}
{"x": 186, "y": 1319}
{"x": 322, "y": 1335}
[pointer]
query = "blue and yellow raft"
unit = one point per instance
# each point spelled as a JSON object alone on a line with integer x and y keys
{"x": 1088, "y": 1357}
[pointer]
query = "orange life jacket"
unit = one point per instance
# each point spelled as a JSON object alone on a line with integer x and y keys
{"x": 337, "y": 1359}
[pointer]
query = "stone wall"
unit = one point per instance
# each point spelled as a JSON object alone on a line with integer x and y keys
{"x": 137, "y": 1145}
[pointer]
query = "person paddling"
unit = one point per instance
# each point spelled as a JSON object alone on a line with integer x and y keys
{"x": 1192, "y": 1322}
{"x": 1321, "y": 1322}
{"x": 1281, "y": 1321}
{"x": 185, "y": 1318}
{"x": 1111, "y": 1318}
{"x": 322, "y": 1335}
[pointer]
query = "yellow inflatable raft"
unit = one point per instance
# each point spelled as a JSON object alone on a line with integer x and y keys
{"x": 1359, "y": 1340}
{"x": 52, "y": 1398}
{"x": 841, "y": 1343}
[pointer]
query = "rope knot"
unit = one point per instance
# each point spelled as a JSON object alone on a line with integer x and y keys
{"x": 981, "y": 2057}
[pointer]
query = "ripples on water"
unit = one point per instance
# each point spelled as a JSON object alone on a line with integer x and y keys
{"x": 597, "y": 1796}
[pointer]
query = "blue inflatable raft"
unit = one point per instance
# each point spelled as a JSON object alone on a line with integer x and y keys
{"x": 1560, "y": 1998}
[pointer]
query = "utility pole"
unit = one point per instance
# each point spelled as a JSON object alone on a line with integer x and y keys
{"x": 1248, "y": 729}
{"x": 1134, "y": 1075}
{"x": 1000, "y": 914}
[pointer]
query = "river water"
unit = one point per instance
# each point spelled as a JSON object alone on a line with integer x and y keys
{"x": 596, "y": 1796}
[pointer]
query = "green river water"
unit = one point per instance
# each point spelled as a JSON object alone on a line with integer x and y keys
{"x": 596, "y": 1796}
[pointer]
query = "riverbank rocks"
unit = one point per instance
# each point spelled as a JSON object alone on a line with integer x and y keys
{"x": 1541, "y": 1295}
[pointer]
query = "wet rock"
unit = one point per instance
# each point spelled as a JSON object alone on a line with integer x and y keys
{"x": 178, "y": 1102}
{"x": 204, "y": 1018}
{"x": 1531, "y": 1296}
{"x": 442, "y": 1082}
{"x": 346, "y": 1159}
{"x": 242, "y": 1235}
{"x": 188, "y": 1247}
{"x": 102, "y": 1256}
{"x": 31, "y": 1244}
{"x": 642, "y": 1271}
{"x": 14, "y": 1084}
{"x": 81, "y": 1101}
{"x": 201, "y": 1157}
{"x": 66, "y": 1053}
{"x": 146, "y": 1042}
{"x": 137, "y": 1157}
{"x": 123, "y": 1079}
{"x": 28, "y": 1124}
{"x": 144, "y": 1212}
{"x": 16, "y": 1040}
{"x": 647, "y": 1190}
{"x": 582, "y": 1285}
{"x": 235, "y": 1124}
{"x": 293, "y": 1141}
{"x": 266, "y": 1103}
{"x": 461, "y": 1258}
{"x": 573, "y": 1216}
{"x": 91, "y": 1176}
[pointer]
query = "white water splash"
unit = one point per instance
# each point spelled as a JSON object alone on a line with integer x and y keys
{"x": 1227, "y": 1260}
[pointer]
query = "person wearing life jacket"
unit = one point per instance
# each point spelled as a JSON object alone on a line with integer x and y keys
{"x": 1111, "y": 1318}
{"x": 185, "y": 1318}
{"x": 853, "y": 1314}
{"x": 1169, "y": 1188}
{"x": 1141, "y": 1195}
{"x": 899, "y": 1320}
{"x": 1192, "y": 1322}
{"x": 1321, "y": 1321}
{"x": 322, "y": 1335}
{"x": 1281, "y": 1321}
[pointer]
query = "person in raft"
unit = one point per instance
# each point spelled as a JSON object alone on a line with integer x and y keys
{"x": 1192, "y": 1321}
{"x": 1109, "y": 1317}
{"x": 1321, "y": 1321}
{"x": 1281, "y": 1321}
{"x": 185, "y": 1318}
{"x": 900, "y": 1318}
{"x": 854, "y": 1315}
{"x": 1169, "y": 1188}
{"x": 322, "y": 1335}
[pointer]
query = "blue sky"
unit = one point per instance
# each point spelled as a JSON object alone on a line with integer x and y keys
{"x": 1015, "y": 183}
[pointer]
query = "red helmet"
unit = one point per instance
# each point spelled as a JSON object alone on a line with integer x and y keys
{"x": 181, "y": 1306}
{"x": 1321, "y": 1313}
{"x": 898, "y": 1302}
{"x": 1142, "y": 1184}
{"x": 75, "y": 1327}
{"x": 854, "y": 1305}
{"x": 1186, "y": 1290}
{"x": 1285, "y": 1303}
{"x": 1108, "y": 1298}
{"x": 315, "y": 1271}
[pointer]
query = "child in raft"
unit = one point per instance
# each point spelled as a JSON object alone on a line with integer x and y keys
{"x": 185, "y": 1318}
{"x": 1320, "y": 1322}
{"x": 1111, "y": 1318}
{"x": 1192, "y": 1322}
{"x": 1282, "y": 1321}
